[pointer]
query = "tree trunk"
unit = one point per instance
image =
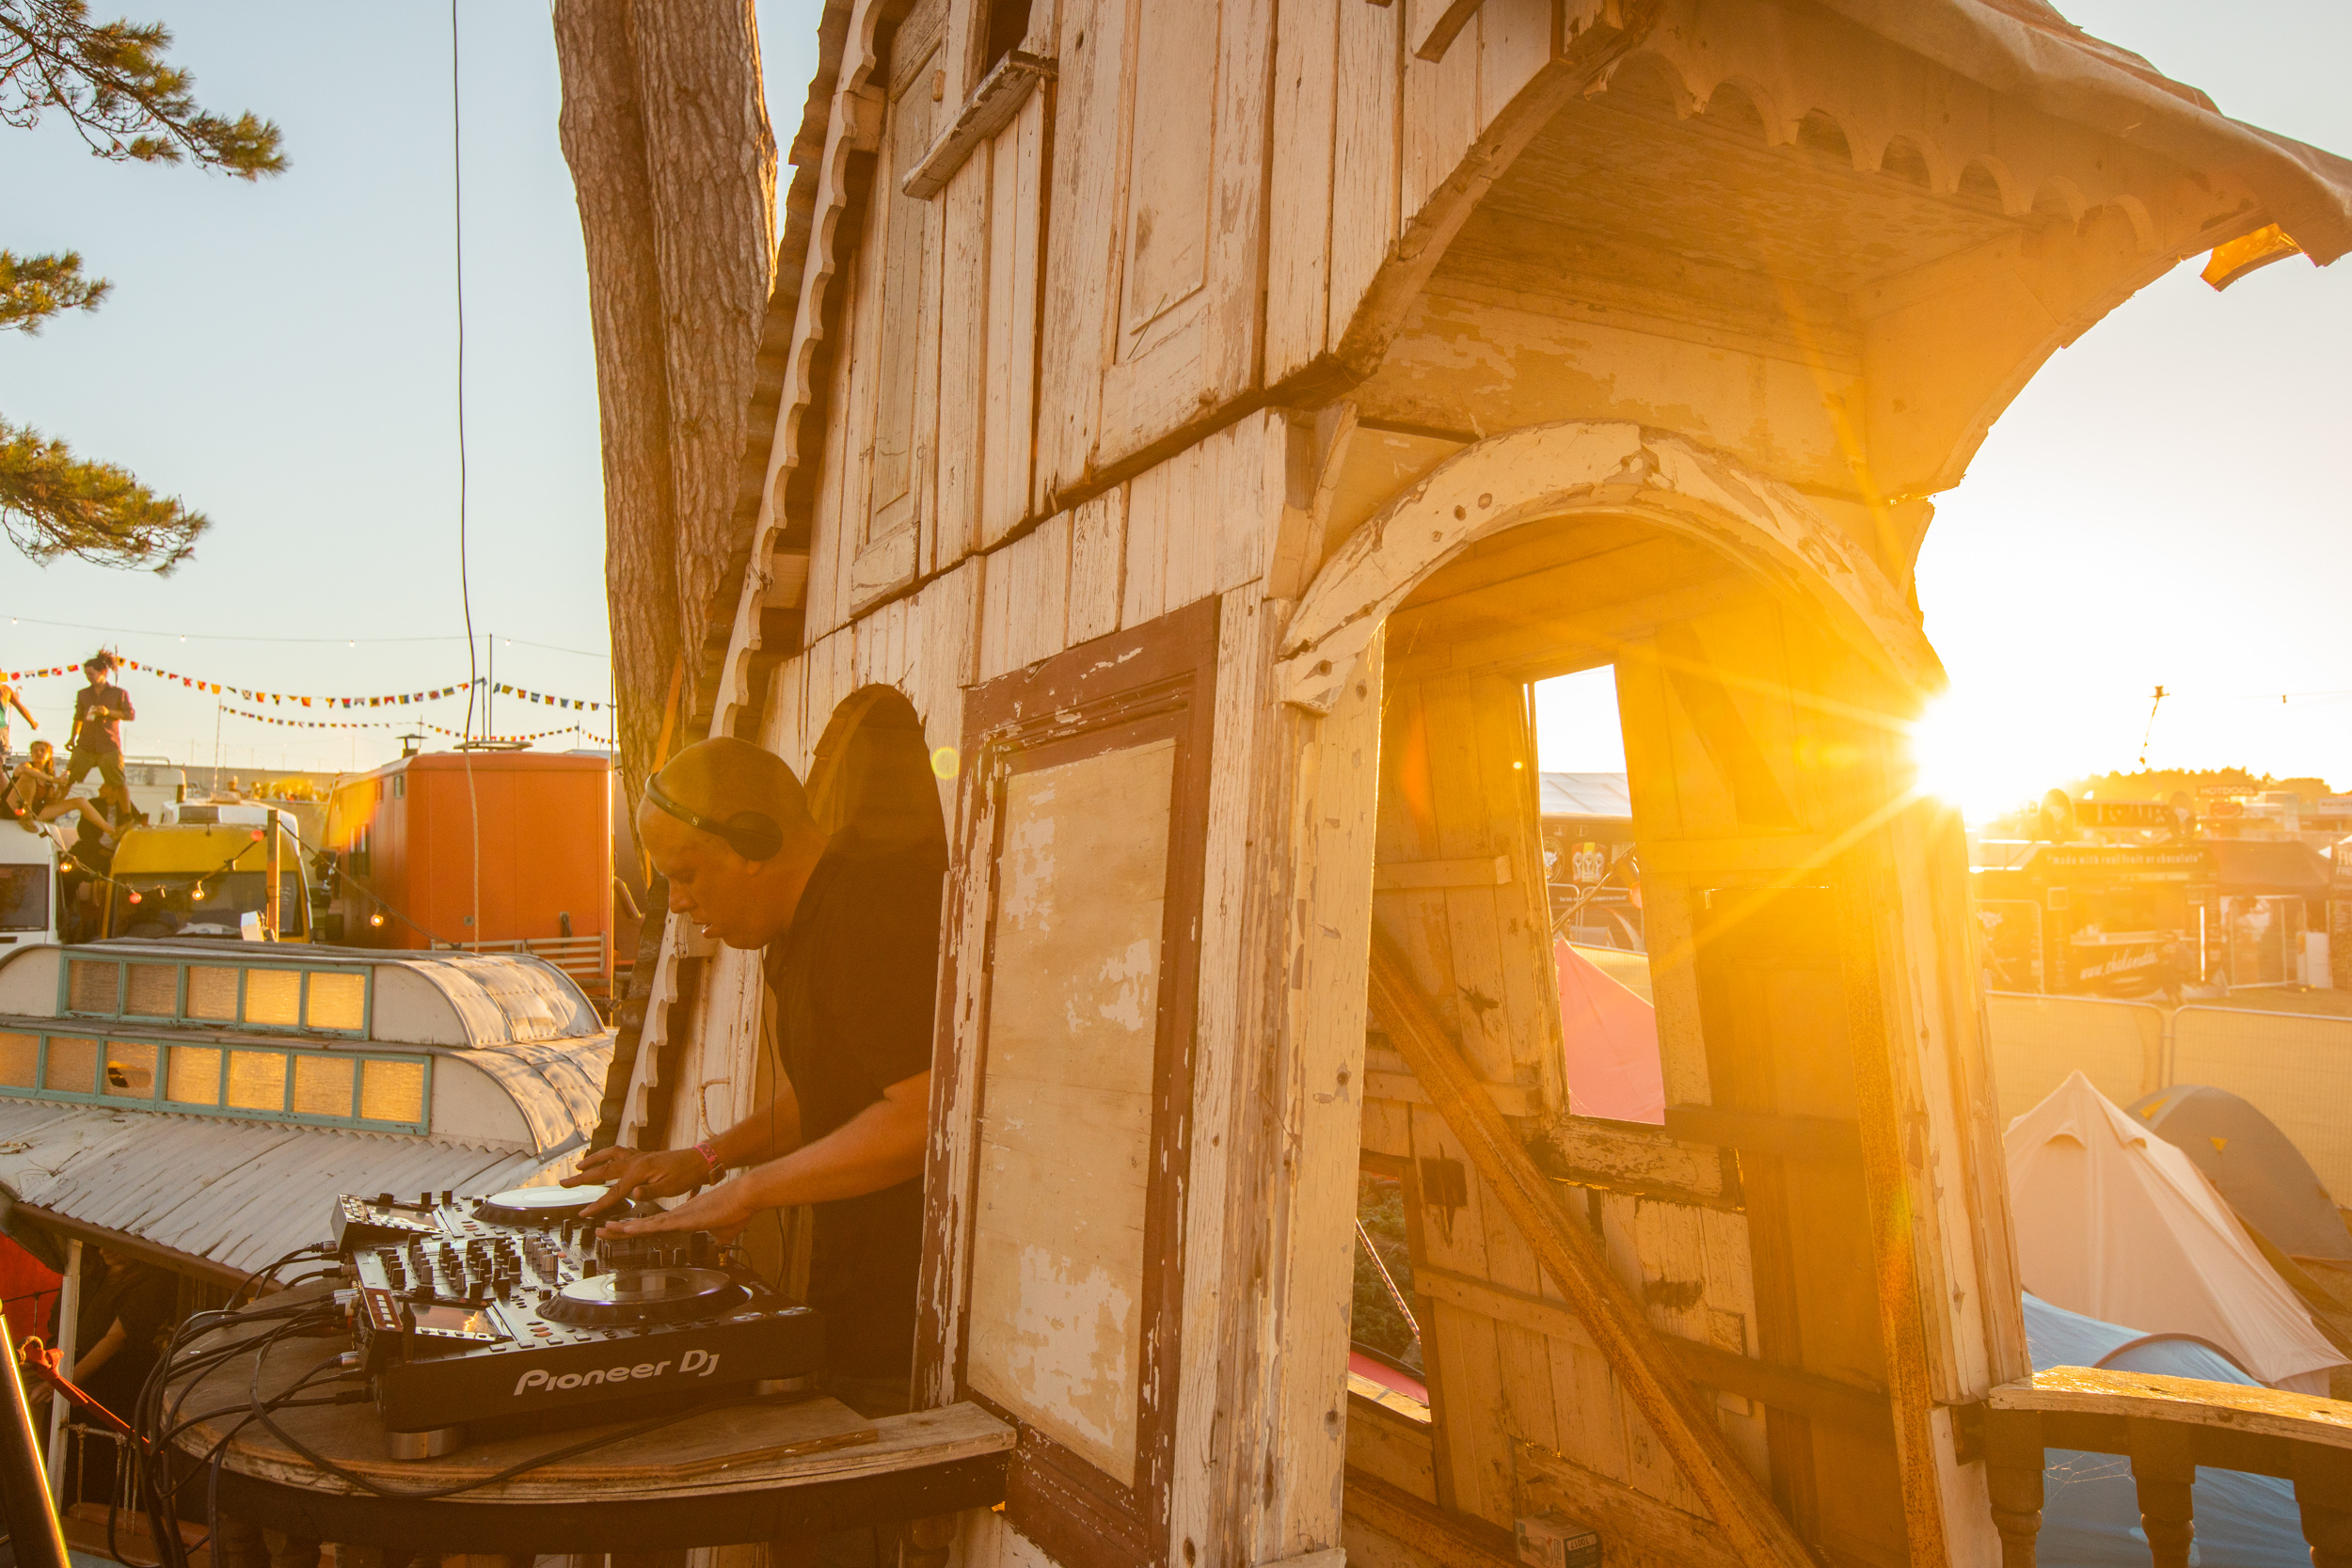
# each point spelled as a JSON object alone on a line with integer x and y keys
{"x": 675, "y": 166}
{"x": 712, "y": 155}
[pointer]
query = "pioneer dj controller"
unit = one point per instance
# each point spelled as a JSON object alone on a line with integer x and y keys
{"x": 505, "y": 1312}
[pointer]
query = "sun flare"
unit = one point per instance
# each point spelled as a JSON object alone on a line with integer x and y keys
{"x": 1967, "y": 755}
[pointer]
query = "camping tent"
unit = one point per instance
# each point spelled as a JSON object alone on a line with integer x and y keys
{"x": 2114, "y": 1223}
{"x": 2257, "y": 1168}
{"x": 2091, "y": 1516}
{"x": 1611, "y": 1035}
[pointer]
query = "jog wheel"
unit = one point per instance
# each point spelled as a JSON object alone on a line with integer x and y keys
{"x": 538, "y": 1205}
{"x": 629, "y": 1297}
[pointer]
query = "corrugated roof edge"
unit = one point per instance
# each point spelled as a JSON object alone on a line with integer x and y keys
{"x": 87, "y": 1175}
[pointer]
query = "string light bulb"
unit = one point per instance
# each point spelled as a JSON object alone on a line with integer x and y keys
{"x": 376, "y": 919}
{"x": 135, "y": 899}
{"x": 196, "y": 893}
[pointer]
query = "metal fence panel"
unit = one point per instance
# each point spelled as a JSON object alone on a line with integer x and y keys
{"x": 2037, "y": 1040}
{"x": 2294, "y": 1068}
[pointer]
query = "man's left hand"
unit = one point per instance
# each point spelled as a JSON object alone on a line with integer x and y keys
{"x": 724, "y": 1210}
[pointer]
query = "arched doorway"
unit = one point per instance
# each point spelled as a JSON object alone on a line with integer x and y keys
{"x": 871, "y": 771}
{"x": 1792, "y": 965}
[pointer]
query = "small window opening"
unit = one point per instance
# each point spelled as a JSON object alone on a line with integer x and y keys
{"x": 1383, "y": 1326}
{"x": 1592, "y": 874}
{"x": 1008, "y": 24}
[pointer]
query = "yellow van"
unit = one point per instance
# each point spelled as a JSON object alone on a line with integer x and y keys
{"x": 200, "y": 874}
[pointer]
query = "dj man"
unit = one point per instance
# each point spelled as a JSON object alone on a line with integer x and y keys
{"x": 851, "y": 933}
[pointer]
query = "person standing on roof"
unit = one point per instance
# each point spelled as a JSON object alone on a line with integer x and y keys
{"x": 9, "y": 699}
{"x": 99, "y": 710}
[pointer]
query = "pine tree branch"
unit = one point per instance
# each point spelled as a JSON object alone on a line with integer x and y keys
{"x": 113, "y": 84}
{"x": 36, "y": 287}
{"x": 53, "y": 504}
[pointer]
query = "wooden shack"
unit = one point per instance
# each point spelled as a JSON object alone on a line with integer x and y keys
{"x": 1186, "y": 431}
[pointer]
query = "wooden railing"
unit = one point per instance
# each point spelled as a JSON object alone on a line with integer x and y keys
{"x": 2168, "y": 1427}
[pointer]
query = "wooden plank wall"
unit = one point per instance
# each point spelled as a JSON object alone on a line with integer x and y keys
{"x": 1351, "y": 168}
{"x": 1135, "y": 250}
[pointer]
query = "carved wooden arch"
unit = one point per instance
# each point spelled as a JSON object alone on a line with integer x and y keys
{"x": 1590, "y": 466}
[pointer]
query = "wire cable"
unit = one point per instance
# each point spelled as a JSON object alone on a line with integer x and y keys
{"x": 464, "y": 580}
{"x": 321, "y": 641}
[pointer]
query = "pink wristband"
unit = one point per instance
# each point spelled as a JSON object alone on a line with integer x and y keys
{"x": 709, "y": 1152}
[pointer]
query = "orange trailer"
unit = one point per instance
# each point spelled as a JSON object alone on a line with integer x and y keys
{"x": 404, "y": 842}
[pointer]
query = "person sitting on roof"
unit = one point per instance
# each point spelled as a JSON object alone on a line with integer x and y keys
{"x": 851, "y": 931}
{"x": 34, "y": 789}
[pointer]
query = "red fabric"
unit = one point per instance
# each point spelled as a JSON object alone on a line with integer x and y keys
{"x": 31, "y": 1290}
{"x": 1387, "y": 1376}
{"x": 1612, "y": 1038}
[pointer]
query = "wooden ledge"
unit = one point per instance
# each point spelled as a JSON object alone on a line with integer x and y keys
{"x": 1424, "y": 875}
{"x": 989, "y": 110}
{"x": 1436, "y": 1535}
{"x": 2183, "y": 1401}
{"x": 1763, "y": 1133}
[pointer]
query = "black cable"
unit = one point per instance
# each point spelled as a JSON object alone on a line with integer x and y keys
{"x": 513, "y": 1471}
{"x": 154, "y": 1411}
{"x": 261, "y": 1409}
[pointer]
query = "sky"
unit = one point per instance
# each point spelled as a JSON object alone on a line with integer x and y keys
{"x": 2159, "y": 506}
{"x": 2165, "y": 503}
{"x": 283, "y": 355}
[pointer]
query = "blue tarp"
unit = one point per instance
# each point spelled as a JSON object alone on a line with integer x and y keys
{"x": 2091, "y": 1512}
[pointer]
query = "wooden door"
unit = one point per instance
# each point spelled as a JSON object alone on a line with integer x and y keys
{"x": 1054, "y": 1275}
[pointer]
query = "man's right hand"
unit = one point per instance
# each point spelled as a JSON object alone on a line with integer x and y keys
{"x": 638, "y": 1173}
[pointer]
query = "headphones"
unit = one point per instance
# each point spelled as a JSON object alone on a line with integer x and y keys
{"x": 752, "y": 834}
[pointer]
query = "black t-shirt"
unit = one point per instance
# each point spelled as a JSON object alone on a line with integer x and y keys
{"x": 854, "y": 979}
{"x": 140, "y": 1299}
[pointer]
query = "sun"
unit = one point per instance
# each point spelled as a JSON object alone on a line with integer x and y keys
{"x": 1967, "y": 755}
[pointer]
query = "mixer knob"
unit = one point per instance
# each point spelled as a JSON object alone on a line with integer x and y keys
{"x": 449, "y": 1197}
{"x": 425, "y": 1199}
{"x": 385, "y": 1199}
{"x": 592, "y": 1268}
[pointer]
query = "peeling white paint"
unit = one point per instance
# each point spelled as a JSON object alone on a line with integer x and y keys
{"x": 1067, "y": 1346}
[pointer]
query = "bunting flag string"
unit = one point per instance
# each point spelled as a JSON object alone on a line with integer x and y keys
{"x": 396, "y": 724}
{"x": 281, "y": 699}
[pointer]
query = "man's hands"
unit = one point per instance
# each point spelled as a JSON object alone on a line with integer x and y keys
{"x": 724, "y": 1210}
{"x": 640, "y": 1173}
